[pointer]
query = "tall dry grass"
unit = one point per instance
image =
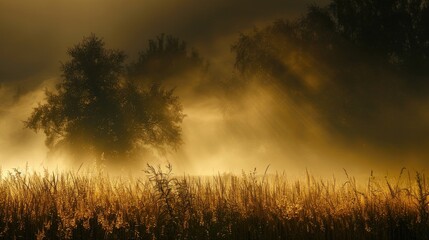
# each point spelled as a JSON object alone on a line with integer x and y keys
{"x": 159, "y": 205}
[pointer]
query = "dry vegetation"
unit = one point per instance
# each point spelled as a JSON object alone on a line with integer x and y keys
{"x": 158, "y": 205}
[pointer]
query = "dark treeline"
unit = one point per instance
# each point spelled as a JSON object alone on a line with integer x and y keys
{"x": 362, "y": 65}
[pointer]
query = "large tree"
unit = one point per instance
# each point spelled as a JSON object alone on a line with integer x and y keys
{"x": 355, "y": 62}
{"x": 97, "y": 110}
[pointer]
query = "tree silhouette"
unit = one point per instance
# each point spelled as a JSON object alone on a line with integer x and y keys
{"x": 165, "y": 61}
{"x": 97, "y": 110}
{"x": 354, "y": 61}
{"x": 396, "y": 30}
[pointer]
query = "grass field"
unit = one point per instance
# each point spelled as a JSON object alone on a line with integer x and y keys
{"x": 160, "y": 205}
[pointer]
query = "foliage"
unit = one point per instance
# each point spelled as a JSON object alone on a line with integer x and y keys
{"x": 165, "y": 60}
{"x": 73, "y": 205}
{"x": 391, "y": 32}
{"x": 96, "y": 109}
{"x": 353, "y": 63}
{"x": 395, "y": 29}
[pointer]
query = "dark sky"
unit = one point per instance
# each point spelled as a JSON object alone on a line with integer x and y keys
{"x": 34, "y": 37}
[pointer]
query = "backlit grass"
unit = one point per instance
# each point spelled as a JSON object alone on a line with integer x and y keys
{"x": 160, "y": 205}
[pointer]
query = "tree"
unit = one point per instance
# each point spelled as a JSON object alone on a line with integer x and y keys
{"x": 97, "y": 110}
{"x": 396, "y": 30}
{"x": 169, "y": 61}
{"x": 354, "y": 62}
{"x": 165, "y": 61}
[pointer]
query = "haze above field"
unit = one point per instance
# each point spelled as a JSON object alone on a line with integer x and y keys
{"x": 263, "y": 127}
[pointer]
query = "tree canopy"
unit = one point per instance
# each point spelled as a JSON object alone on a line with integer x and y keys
{"x": 165, "y": 60}
{"x": 96, "y": 109}
{"x": 353, "y": 61}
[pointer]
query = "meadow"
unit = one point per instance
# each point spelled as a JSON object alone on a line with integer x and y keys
{"x": 161, "y": 205}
